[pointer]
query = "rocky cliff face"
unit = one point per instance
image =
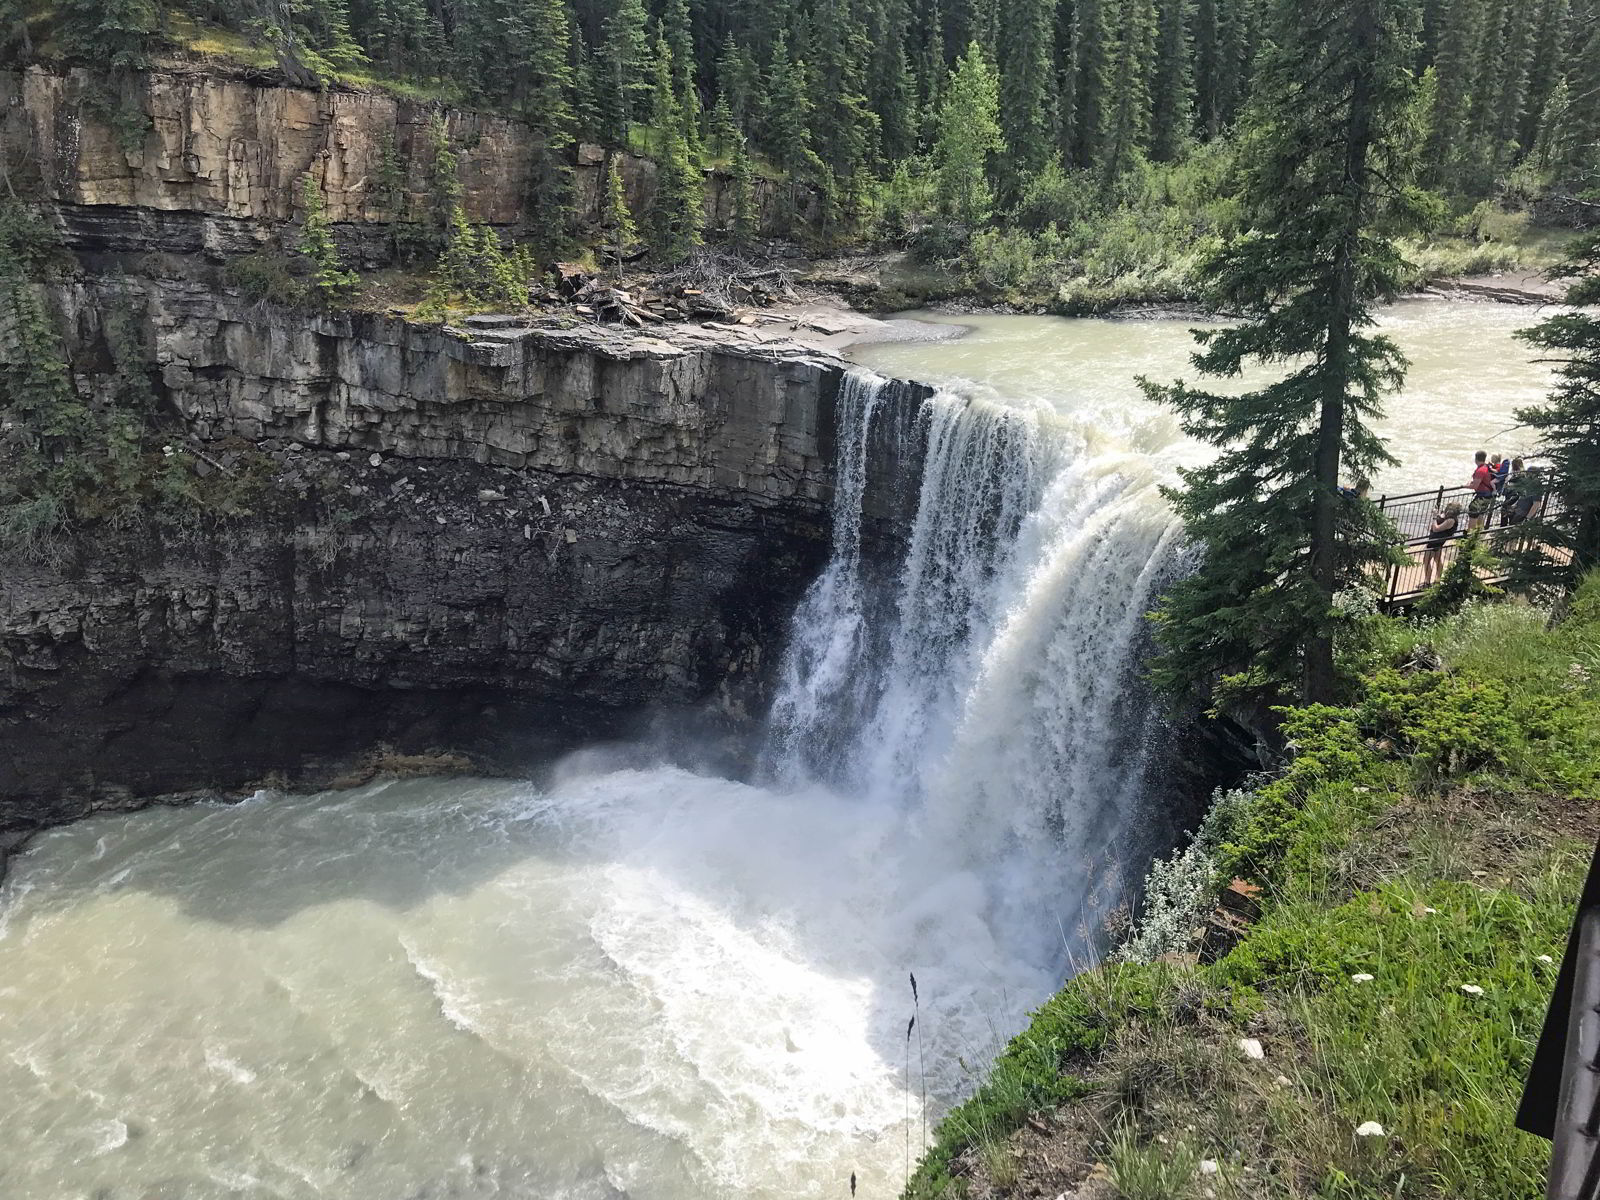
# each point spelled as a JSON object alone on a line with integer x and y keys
{"x": 499, "y": 543}
{"x": 209, "y": 161}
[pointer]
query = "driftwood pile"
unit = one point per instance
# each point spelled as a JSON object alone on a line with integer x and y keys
{"x": 709, "y": 286}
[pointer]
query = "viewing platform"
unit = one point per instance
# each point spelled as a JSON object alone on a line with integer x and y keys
{"x": 1413, "y": 516}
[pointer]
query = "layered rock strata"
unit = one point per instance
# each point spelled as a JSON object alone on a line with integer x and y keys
{"x": 499, "y": 542}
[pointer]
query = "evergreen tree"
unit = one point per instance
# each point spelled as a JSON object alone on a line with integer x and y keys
{"x": 1027, "y": 87}
{"x": 1093, "y": 46}
{"x": 1279, "y": 539}
{"x": 329, "y": 277}
{"x": 108, "y": 33}
{"x": 1550, "y": 140}
{"x": 444, "y": 183}
{"x": 541, "y": 35}
{"x": 1503, "y": 138}
{"x": 1568, "y": 424}
{"x": 744, "y": 195}
{"x": 840, "y": 101}
{"x": 1580, "y": 165}
{"x": 740, "y": 82}
{"x": 1545, "y": 67}
{"x": 625, "y": 66}
{"x": 969, "y": 134}
{"x": 1208, "y": 51}
{"x": 1171, "y": 85}
{"x": 1128, "y": 120}
{"x": 678, "y": 211}
{"x": 787, "y": 132}
{"x": 1447, "y": 138}
{"x": 617, "y": 230}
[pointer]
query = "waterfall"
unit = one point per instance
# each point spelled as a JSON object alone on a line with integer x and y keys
{"x": 991, "y": 686}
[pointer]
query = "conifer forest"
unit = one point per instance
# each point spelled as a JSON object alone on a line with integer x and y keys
{"x": 995, "y": 132}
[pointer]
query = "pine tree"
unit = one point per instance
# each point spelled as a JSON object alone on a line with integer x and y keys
{"x": 969, "y": 135}
{"x": 1279, "y": 539}
{"x": 108, "y": 33}
{"x": 617, "y": 230}
{"x": 329, "y": 277}
{"x": 444, "y": 183}
{"x": 625, "y": 65}
{"x": 678, "y": 210}
{"x": 1580, "y": 165}
{"x": 1027, "y": 87}
{"x": 839, "y": 98}
{"x": 542, "y": 36}
{"x": 1550, "y": 140}
{"x": 1503, "y": 138}
{"x": 744, "y": 195}
{"x": 1171, "y": 85}
{"x": 787, "y": 132}
{"x": 1545, "y": 67}
{"x": 1093, "y": 46}
{"x": 1208, "y": 67}
{"x": 1128, "y": 121}
{"x": 1568, "y": 424}
{"x": 1447, "y": 139}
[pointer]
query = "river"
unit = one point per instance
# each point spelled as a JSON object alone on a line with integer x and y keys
{"x": 637, "y": 981}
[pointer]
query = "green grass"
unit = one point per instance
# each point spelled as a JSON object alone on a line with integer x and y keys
{"x": 1431, "y": 835}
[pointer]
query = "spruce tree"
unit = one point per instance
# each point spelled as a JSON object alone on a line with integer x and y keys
{"x": 1093, "y": 47}
{"x": 969, "y": 136}
{"x": 1027, "y": 87}
{"x": 678, "y": 210}
{"x": 1568, "y": 424}
{"x": 1545, "y": 68}
{"x": 1447, "y": 138}
{"x": 839, "y": 99}
{"x": 329, "y": 277}
{"x": 543, "y": 42}
{"x": 1171, "y": 84}
{"x": 743, "y": 177}
{"x": 617, "y": 230}
{"x": 1279, "y": 539}
{"x": 108, "y": 33}
{"x": 1128, "y": 120}
{"x": 787, "y": 131}
{"x": 625, "y": 65}
{"x": 444, "y": 183}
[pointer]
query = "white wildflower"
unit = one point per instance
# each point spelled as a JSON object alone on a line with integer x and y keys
{"x": 1432, "y": 912}
{"x": 1361, "y": 977}
{"x": 1252, "y": 1048}
{"x": 1472, "y": 989}
{"x": 1369, "y": 1129}
{"x": 1545, "y": 959}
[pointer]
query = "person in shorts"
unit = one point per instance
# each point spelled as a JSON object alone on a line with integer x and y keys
{"x": 1445, "y": 523}
{"x": 1483, "y": 488}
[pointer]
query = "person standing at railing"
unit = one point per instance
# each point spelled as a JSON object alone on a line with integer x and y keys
{"x": 1483, "y": 489}
{"x": 1524, "y": 494}
{"x": 1445, "y": 523}
{"x": 1501, "y": 466}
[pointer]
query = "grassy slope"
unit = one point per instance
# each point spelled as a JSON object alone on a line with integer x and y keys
{"x": 1433, "y": 835}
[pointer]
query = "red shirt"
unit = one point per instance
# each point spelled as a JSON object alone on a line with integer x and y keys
{"x": 1483, "y": 479}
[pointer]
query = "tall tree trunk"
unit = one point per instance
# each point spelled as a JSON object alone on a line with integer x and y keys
{"x": 1337, "y": 366}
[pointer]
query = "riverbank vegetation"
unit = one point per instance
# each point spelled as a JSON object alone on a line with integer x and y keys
{"x": 1408, "y": 879}
{"x": 1072, "y": 154}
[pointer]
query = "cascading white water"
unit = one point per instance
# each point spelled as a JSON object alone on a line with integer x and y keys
{"x": 634, "y": 982}
{"x": 1002, "y": 706}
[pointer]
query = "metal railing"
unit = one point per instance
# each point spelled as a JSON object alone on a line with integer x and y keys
{"x": 1412, "y": 516}
{"x": 1575, "y": 1146}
